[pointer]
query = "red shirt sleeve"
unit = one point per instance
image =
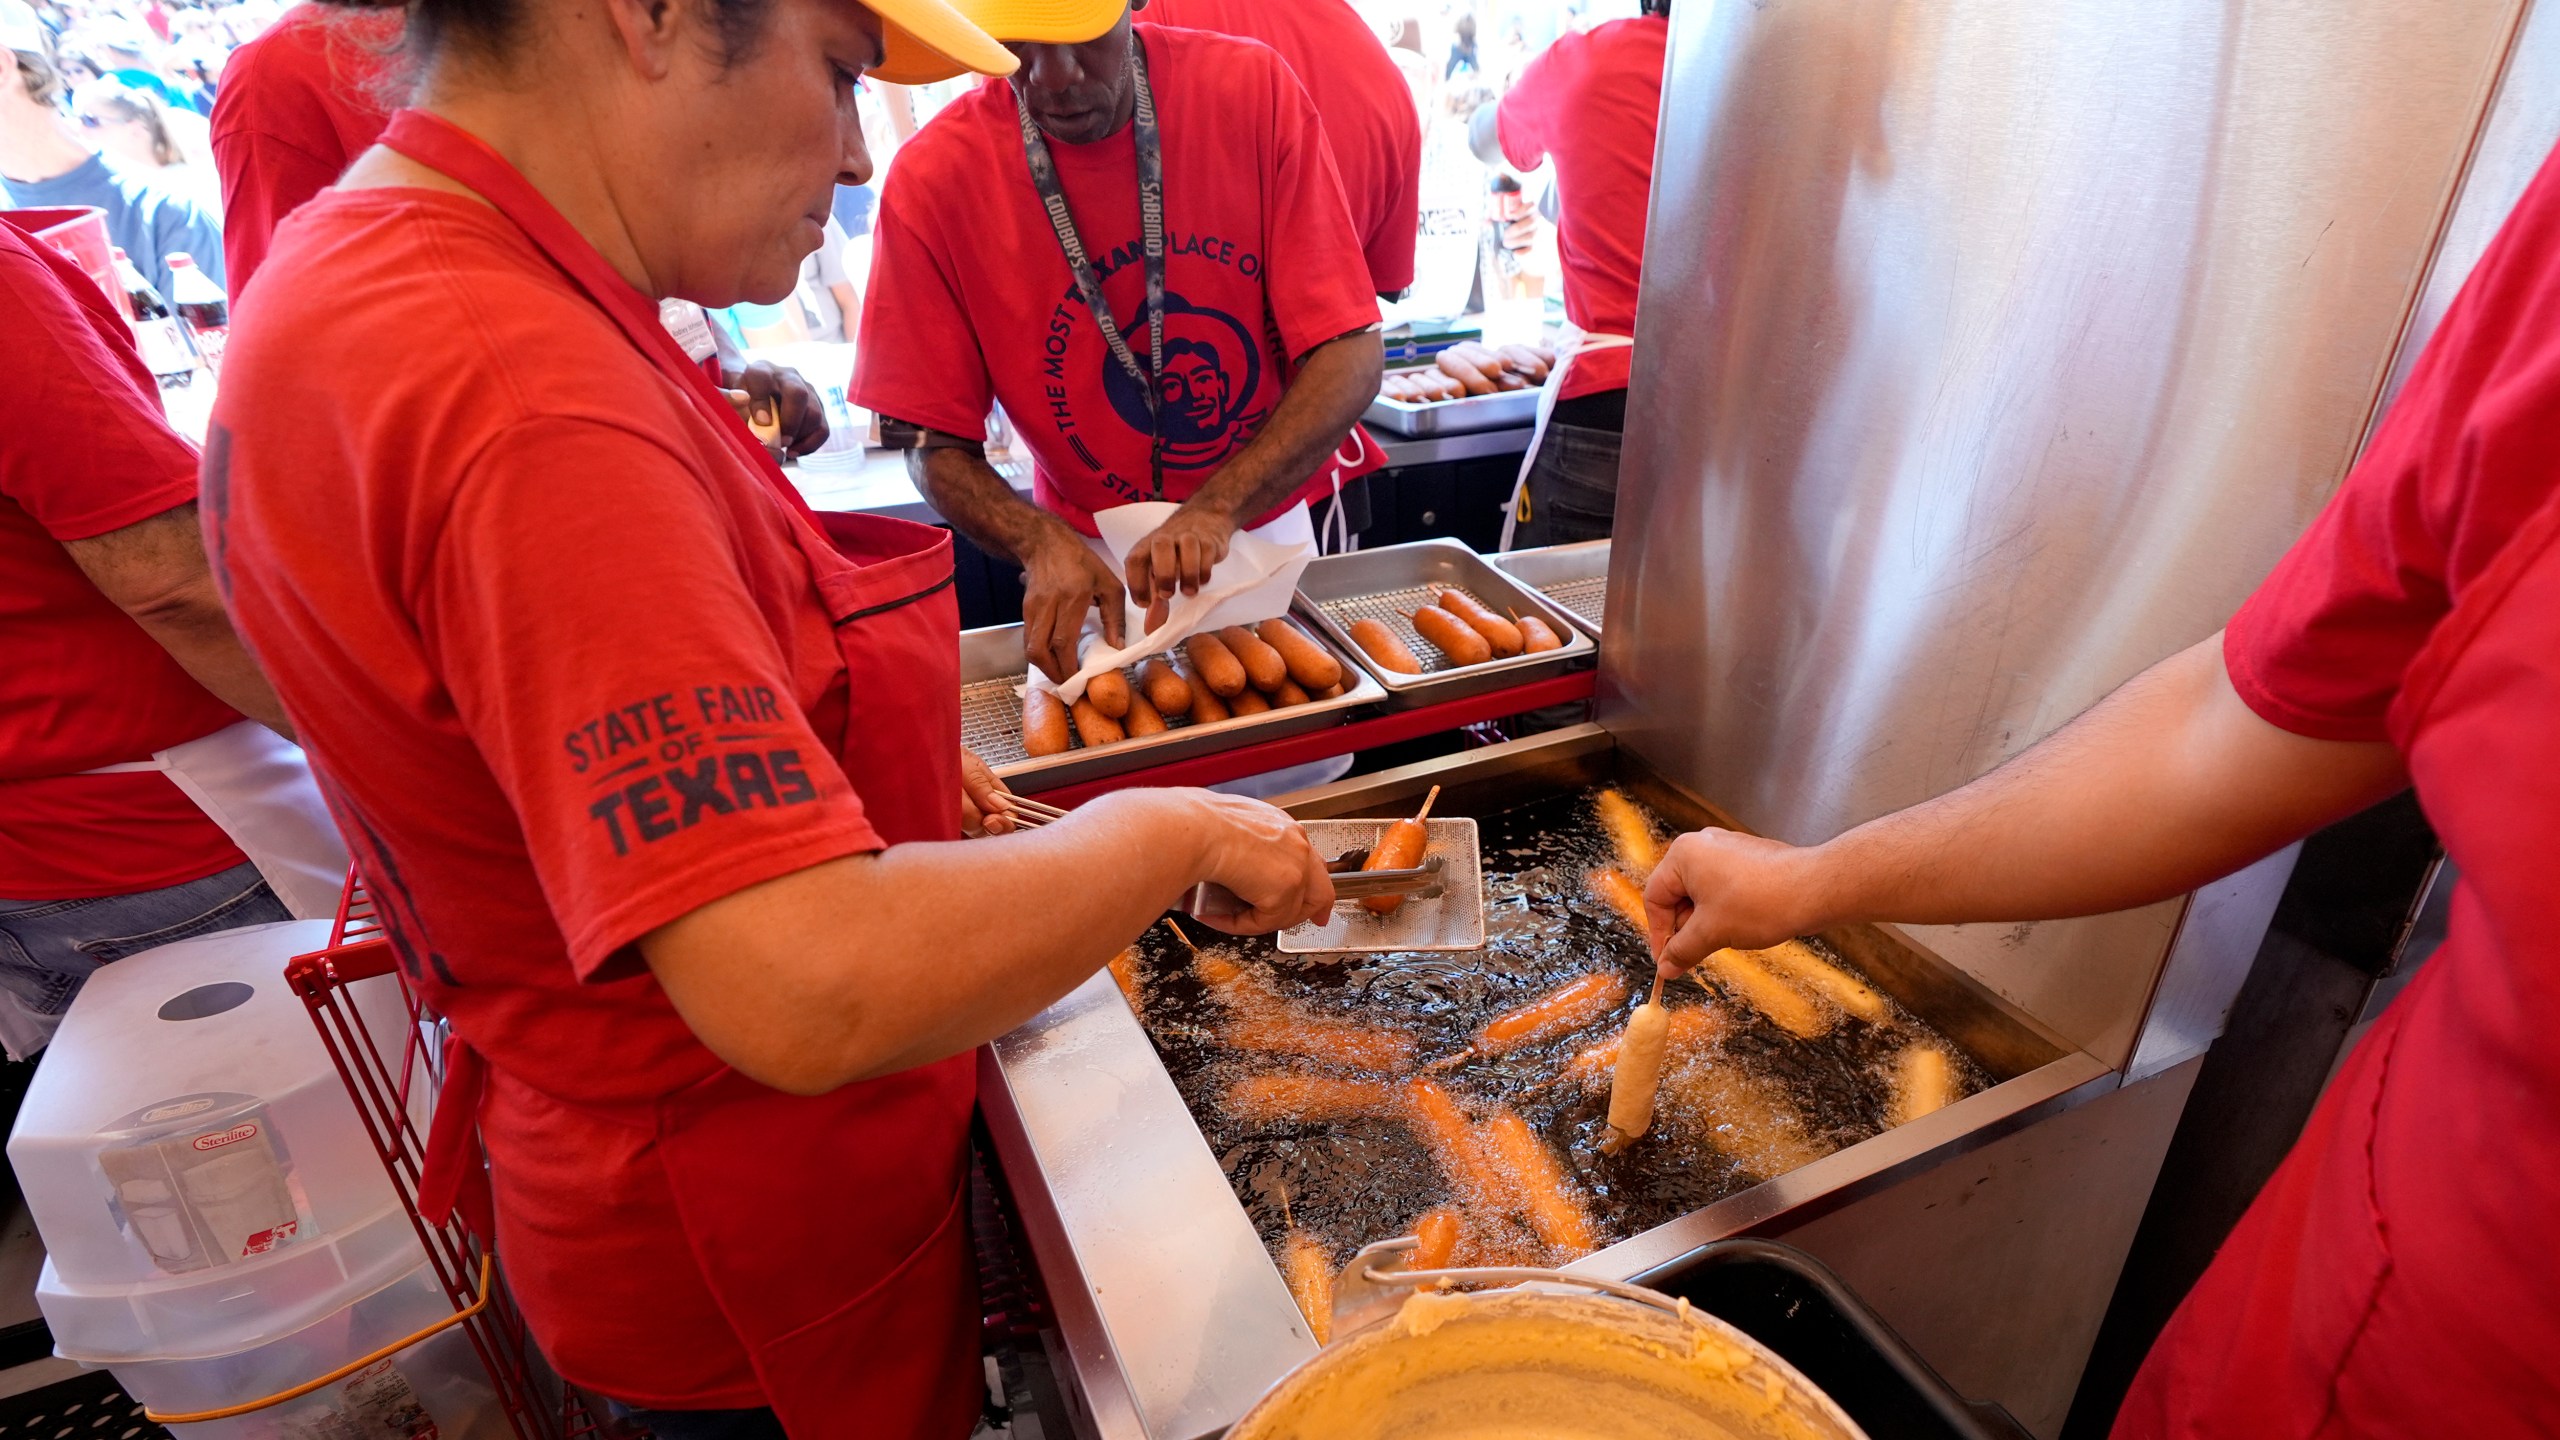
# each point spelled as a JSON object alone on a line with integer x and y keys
{"x": 264, "y": 179}
{"x": 591, "y": 709}
{"x": 1399, "y": 230}
{"x": 84, "y": 447}
{"x": 920, "y": 361}
{"x": 1315, "y": 275}
{"x": 1525, "y": 119}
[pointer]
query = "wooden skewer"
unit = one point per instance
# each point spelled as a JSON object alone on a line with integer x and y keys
{"x": 1427, "y": 801}
{"x": 1170, "y": 924}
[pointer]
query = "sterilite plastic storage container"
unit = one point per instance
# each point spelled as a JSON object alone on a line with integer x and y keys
{"x": 217, "y": 1224}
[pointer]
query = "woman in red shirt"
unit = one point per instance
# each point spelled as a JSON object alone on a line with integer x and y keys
{"x": 2397, "y": 1277}
{"x": 652, "y": 780}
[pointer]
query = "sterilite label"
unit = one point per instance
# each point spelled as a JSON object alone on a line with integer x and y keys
{"x": 232, "y": 1136}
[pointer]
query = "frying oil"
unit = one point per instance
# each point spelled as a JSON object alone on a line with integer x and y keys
{"x": 1742, "y": 1099}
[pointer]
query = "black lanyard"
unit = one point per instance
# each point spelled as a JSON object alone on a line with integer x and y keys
{"x": 1044, "y": 178}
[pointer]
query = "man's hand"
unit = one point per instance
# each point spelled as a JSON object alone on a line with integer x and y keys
{"x": 779, "y": 398}
{"x": 980, "y": 814}
{"x": 1716, "y": 888}
{"x": 1180, "y": 553}
{"x": 1061, "y": 579}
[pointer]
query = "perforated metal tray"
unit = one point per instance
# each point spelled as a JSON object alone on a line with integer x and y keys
{"x": 991, "y": 665}
{"x": 1387, "y": 583}
{"x": 1454, "y": 920}
{"x": 1575, "y": 577}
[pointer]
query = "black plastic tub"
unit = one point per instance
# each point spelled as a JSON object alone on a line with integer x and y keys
{"x": 1792, "y": 1303}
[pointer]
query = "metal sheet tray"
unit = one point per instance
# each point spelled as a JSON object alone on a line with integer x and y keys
{"x": 1418, "y": 419}
{"x": 991, "y": 664}
{"x": 1575, "y": 577}
{"x": 1385, "y": 583}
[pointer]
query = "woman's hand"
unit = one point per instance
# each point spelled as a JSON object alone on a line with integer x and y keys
{"x": 980, "y": 814}
{"x": 1716, "y": 888}
{"x": 1262, "y": 857}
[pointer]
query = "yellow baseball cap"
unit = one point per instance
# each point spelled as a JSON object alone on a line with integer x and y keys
{"x": 929, "y": 40}
{"x": 1045, "y": 22}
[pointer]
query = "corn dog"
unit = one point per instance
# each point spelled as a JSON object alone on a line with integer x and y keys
{"x": 1382, "y": 646}
{"x": 1301, "y": 1099}
{"x": 1537, "y": 635}
{"x": 1400, "y": 848}
{"x": 1453, "y": 1143}
{"x": 1438, "y": 1233}
{"x": 1220, "y": 972}
{"x": 1249, "y": 701}
{"x": 1165, "y": 687}
{"x": 1630, "y": 831}
{"x": 1796, "y": 961}
{"x": 1546, "y": 1196}
{"x": 1263, "y": 667}
{"x": 1692, "y": 1026}
{"x": 1638, "y": 1071}
{"x": 1747, "y": 1118}
{"x": 1288, "y": 693}
{"x": 1622, "y": 895}
{"x": 1274, "y": 1029}
{"x": 1109, "y": 692}
{"x": 1740, "y": 972}
{"x": 1330, "y": 692}
{"x": 1206, "y": 707}
{"x": 1216, "y": 665}
{"x": 1924, "y": 1080}
{"x": 1124, "y": 973}
{"x": 1309, "y": 1271}
{"x": 1450, "y": 636}
{"x": 1499, "y": 633}
{"x": 1093, "y": 727}
{"x": 1142, "y": 718}
{"x": 1044, "y": 723}
{"x": 1568, "y": 1007}
{"x": 1309, "y": 665}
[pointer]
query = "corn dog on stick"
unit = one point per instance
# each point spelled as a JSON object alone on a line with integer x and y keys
{"x": 1221, "y": 973}
{"x": 1630, "y": 832}
{"x": 1309, "y": 1271}
{"x": 1796, "y": 961}
{"x": 1746, "y": 1117}
{"x": 1691, "y": 1027}
{"x": 1280, "y": 1098}
{"x": 1924, "y": 1079}
{"x": 1353, "y": 1047}
{"x": 1759, "y": 986}
{"x": 1638, "y": 1071}
{"x": 1622, "y": 895}
{"x": 1568, "y": 1007}
{"x": 1438, "y": 1232}
{"x": 1546, "y": 1196}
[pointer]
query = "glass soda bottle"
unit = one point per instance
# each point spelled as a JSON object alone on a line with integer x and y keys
{"x": 155, "y": 327}
{"x": 202, "y": 309}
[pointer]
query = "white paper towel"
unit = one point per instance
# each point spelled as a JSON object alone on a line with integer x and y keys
{"x": 1255, "y": 582}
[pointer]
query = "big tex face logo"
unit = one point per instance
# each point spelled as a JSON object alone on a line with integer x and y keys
{"x": 1212, "y": 373}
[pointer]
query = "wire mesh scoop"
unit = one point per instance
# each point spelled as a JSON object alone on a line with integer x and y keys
{"x": 1444, "y": 911}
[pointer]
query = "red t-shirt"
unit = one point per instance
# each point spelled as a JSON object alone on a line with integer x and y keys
{"x": 565, "y": 677}
{"x": 1368, "y": 111}
{"x": 84, "y": 450}
{"x": 295, "y": 108}
{"x": 2398, "y": 1276}
{"x": 971, "y": 300}
{"x": 1591, "y": 102}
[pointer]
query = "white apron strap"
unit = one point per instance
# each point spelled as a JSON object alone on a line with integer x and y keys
{"x": 256, "y": 786}
{"x": 1513, "y": 511}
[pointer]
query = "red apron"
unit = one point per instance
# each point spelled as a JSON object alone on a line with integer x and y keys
{"x": 2345, "y": 1304}
{"x": 831, "y": 1231}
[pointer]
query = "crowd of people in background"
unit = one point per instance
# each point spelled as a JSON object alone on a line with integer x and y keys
{"x": 110, "y": 100}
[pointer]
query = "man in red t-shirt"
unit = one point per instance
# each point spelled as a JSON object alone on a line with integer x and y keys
{"x": 1590, "y": 104}
{"x": 297, "y": 105}
{"x": 1368, "y": 112}
{"x": 1269, "y": 323}
{"x": 118, "y": 648}
{"x": 2397, "y": 1276}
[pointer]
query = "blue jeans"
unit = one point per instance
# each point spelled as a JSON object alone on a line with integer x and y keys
{"x": 1573, "y": 487}
{"x": 49, "y": 947}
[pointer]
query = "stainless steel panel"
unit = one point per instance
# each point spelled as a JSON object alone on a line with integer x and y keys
{"x": 2216, "y": 944}
{"x": 1174, "y": 1317}
{"x": 1992, "y": 350}
{"x": 1574, "y": 577}
{"x": 2523, "y": 124}
{"x": 1337, "y": 591}
{"x": 991, "y": 665}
